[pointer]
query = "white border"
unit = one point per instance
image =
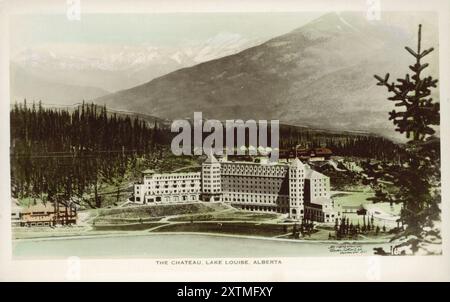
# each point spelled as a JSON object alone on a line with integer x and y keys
{"x": 430, "y": 268}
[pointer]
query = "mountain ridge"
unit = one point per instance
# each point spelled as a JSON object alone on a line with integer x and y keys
{"x": 24, "y": 85}
{"x": 119, "y": 67}
{"x": 319, "y": 75}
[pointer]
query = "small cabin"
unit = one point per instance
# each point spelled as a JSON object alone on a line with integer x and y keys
{"x": 48, "y": 214}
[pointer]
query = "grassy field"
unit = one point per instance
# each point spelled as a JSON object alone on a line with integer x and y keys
{"x": 178, "y": 213}
{"x": 230, "y": 215}
{"x": 236, "y": 228}
{"x": 194, "y": 217}
{"x": 163, "y": 210}
{"x": 352, "y": 198}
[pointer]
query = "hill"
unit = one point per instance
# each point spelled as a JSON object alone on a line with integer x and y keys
{"x": 319, "y": 75}
{"x": 25, "y": 85}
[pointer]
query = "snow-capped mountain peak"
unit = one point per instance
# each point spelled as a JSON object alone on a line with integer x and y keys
{"x": 139, "y": 63}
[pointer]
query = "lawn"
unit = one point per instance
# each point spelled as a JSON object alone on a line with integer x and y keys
{"x": 230, "y": 215}
{"x": 236, "y": 228}
{"x": 149, "y": 211}
{"x": 352, "y": 198}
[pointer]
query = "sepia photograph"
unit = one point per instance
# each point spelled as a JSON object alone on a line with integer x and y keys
{"x": 224, "y": 135}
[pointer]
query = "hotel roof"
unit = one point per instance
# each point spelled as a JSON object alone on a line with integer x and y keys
{"x": 310, "y": 173}
{"x": 211, "y": 159}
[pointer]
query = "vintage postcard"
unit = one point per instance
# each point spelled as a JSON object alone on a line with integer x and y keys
{"x": 276, "y": 140}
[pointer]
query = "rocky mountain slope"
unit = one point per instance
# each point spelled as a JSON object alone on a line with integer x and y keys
{"x": 319, "y": 75}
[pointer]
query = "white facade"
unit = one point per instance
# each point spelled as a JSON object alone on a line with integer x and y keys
{"x": 168, "y": 187}
{"x": 211, "y": 180}
{"x": 256, "y": 186}
{"x": 283, "y": 187}
{"x": 296, "y": 185}
{"x": 317, "y": 184}
{"x": 318, "y": 202}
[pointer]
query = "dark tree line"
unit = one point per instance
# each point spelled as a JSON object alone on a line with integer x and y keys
{"x": 66, "y": 157}
{"x": 366, "y": 146}
{"x": 347, "y": 230}
{"x": 89, "y": 128}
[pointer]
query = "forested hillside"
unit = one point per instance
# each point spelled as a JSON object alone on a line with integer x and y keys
{"x": 62, "y": 156}
{"x": 341, "y": 143}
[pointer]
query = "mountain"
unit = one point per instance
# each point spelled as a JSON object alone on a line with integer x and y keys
{"x": 33, "y": 88}
{"x": 116, "y": 67}
{"x": 319, "y": 75}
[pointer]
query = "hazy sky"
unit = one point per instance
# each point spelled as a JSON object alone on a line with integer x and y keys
{"x": 169, "y": 30}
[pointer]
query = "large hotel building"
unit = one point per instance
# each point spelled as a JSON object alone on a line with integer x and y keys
{"x": 287, "y": 187}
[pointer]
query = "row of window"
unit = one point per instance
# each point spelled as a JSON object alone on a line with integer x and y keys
{"x": 275, "y": 209}
{"x": 173, "y": 186}
{"x": 249, "y": 185}
{"x": 256, "y": 198}
{"x": 156, "y": 192}
{"x": 171, "y": 176}
{"x": 173, "y": 198}
{"x": 207, "y": 181}
{"x": 206, "y": 190}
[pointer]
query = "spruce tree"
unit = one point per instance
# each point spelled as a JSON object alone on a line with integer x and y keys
{"x": 412, "y": 93}
{"x": 417, "y": 177}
